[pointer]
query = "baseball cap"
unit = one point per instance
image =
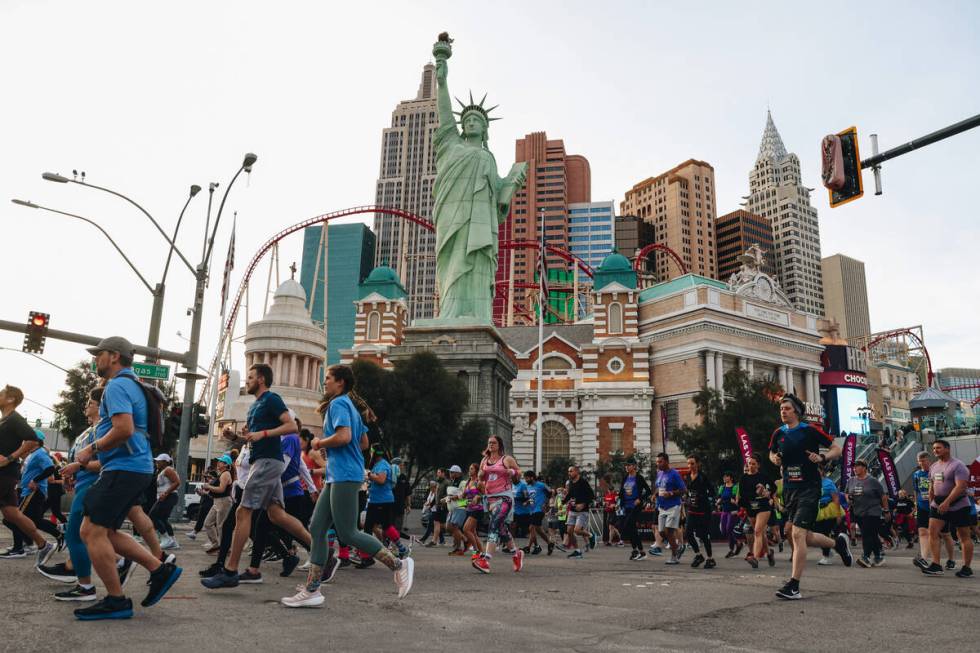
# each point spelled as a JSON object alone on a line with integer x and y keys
{"x": 456, "y": 469}
{"x": 225, "y": 458}
{"x": 164, "y": 458}
{"x": 117, "y": 344}
{"x": 40, "y": 434}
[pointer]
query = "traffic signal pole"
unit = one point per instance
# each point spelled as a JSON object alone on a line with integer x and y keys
{"x": 922, "y": 141}
{"x": 83, "y": 339}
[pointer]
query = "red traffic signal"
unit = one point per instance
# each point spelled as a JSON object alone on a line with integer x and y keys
{"x": 841, "y": 166}
{"x": 37, "y": 331}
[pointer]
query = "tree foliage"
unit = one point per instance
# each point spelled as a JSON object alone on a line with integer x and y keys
{"x": 751, "y": 404}
{"x": 615, "y": 465}
{"x": 71, "y": 408}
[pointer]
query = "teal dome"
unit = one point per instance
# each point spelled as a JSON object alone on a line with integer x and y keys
{"x": 384, "y": 281}
{"x": 615, "y": 262}
{"x": 615, "y": 268}
{"x": 383, "y": 274}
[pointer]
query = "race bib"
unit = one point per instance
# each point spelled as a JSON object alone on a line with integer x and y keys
{"x": 755, "y": 505}
{"x": 492, "y": 477}
{"x": 938, "y": 477}
{"x": 794, "y": 473}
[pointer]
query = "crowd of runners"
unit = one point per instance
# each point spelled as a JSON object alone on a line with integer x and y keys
{"x": 282, "y": 494}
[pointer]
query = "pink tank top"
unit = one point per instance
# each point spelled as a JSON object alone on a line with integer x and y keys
{"x": 497, "y": 479}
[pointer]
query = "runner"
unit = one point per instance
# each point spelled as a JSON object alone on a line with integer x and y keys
{"x": 867, "y": 498}
{"x": 456, "y": 505}
{"x": 755, "y": 492}
{"x": 167, "y": 485}
{"x": 313, "y": 459}
{"x": 829, "y": 514}
{"x": 727, "y": 504}
{"x": 920, "y": 485}
{"x": 473, "y": 509}
{"x": 578, "y": 499}
{"x": 38, "y": 468}
{"x": 268, "y": 420}
{"x": 633, "y": 496}
{"x": 122, "y": 446}
{"x": 670, "y": 491}
{"x": 522, "y": 510}
{"x": 904, "y": 526}
{"x": 795, "y": 446}
{"x": 498, "y": 471}
{"x": 242, "y": 469}
{"x": 381, "y": 503}
{"x": 949, "y": 505}
{"x": 440, "y": 511}
{"x": 16, "y": 441}
{"x": 539, "y": 502}
{"x": 345, "y": 436}
{"x": 700, "y": 499}
{"x": 610, "y": 516}
{"x": 221, "y": 503}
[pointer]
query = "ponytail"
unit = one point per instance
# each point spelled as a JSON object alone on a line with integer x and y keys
{"x": 345, "y": 374}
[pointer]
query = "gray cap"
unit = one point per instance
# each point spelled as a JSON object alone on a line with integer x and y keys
{"x": 117, "y": 344}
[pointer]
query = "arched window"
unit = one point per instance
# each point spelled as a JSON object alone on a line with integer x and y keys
{"x": 614, "y": 318}
{"x": 554, "y": 442}
{"x": 374, "y": 326}
{"x": 556, "y": 363}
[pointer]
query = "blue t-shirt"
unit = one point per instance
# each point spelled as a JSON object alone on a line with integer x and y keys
{"x": 292, "y": 486}
{"x": 539, "y": 496}
{"x": 920, "y": 482}
{"x": 522, "y": 503}
{"x": 124, "y": 396}
{"x": 346, "y": 463}
{"x": 263, "y": 415}
{"x": 630, "y": 492}
{"x": 36, "y": 463}
{"x": 671, "y": 481}
{"x": 382, "y": 492}
{"x": 827, "y": 491}
{"x": 83, "y": 478}
{"x": 792, "y": 444}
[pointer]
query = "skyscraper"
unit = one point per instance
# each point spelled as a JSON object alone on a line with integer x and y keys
{"x": 405, "y": 180}
{"x": 734, "y": 233}
{"x": 592, "y": 231}
{"x": 776, "y": 191}
{"x": 349, "y": 259}
{"x": 554, "y": 180}
{"x": 846, "y": 295}
{"x": 680, "y": 204}
{"x": 633, "y": 234}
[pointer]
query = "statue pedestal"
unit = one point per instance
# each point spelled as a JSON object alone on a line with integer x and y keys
{"x": 476, "y": 355}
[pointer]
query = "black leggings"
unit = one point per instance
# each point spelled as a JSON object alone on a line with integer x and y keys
{"x": 54, "y": 504}
{"x": 34, "y": 509}
{"x": 160, "y": 514}
{"x": 629, "y": 529}
{"x": 870, "y": 531}
{"x": 202, "y": 512}
{"x": 268, "y": 535}
{"x": 699, "y": 527}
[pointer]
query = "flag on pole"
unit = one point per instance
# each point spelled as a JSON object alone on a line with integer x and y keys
{"x": 229, "y": 266}
{"x": 543, "y": 268}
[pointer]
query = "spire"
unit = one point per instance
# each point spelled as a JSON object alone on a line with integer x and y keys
{"x": 427, "y": 88}
{"x": 772, "y": 144}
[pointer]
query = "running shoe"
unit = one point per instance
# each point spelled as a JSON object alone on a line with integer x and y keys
{"x": 843, "y": 550}
{"x": 12, "y": 553}
{"x": 289, "y": 564}
{"x": 710, "y": 563}
{"x": 933, "y": 570}
{"x": 430, "y": 545}
{"x": 771, "y": 557}
{"x": 920, "y": 562}
{"x": 125, "y": 571}
{"x": 344, "y": 562}
{"x": 108, "y": 608}
{"x": 592, "y": 541}
{"x": 950, "y": 565}
{"x": 223, "y": 578}
{"x": 698, "y": 559}
{"x": 61, "y": 542}
{"x": 403, "y": 551}
{"x": 329, "y": 569}
{"x": 551, "y": 548}
{"x": 656, "y": 551}
{"x": 304, "y": 599}
{"x": 562, "y": 548}
{"x": 864, "y": 561}
{"x": 248, "y": 578}
{"x": 362, "y": 563}
{"x": 58, "y": 572}
{"x": 404, "y": 577}
{"x": 213, "y": 570}
{"x": 169, "y": 542}
{"x": 731, "y": 553}
{"x": 526, "y": 549}
{"x": 738, "y": 549}
{"x": 43, "y": 554}
{"x": 641, "y": 556}
{"x": 964, "y": 572}
{"x": 168, "y": 557}
{"x": 77, "y": 593}
{"x": 161, "y": 581}
{"x": 752, "y": 561}
{"x": 680, "y": 552}
{"x": 481, "y": 564}
{"x": 673, "y": 560}
{"x": 536, "y": 550}
{"x": 789, "y": 592}
{"x": 191, "y": 535}
{"x": 878, "y": 562}
{"x": 576, "y": 555}
{"x": 824, "y": 561}
{"x": 518, "y": 560}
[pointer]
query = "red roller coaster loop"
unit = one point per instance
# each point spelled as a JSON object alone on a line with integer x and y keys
{"x": 641, "y": 257}
{"x": 967, "y": 386}
{"x": 889, "y": 335}
{"x": 557, "y": 251}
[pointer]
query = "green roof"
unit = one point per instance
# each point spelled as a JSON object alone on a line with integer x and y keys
{"x": 683, "y": 282}
{"x": 615, "y": 268}
{"x": 384, "y": 281}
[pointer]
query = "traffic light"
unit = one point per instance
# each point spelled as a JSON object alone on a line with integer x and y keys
{"x": 841, "y": 169}
{"x": 201, "y": 424}
{"x": 37, "y": 332}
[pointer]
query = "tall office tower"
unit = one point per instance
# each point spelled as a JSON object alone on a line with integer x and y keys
{"x": 845, "y": 294}
{"x": 555, "y": 179}
{"x": 592, "y": 231}
{"x": 776, "y": 191}
{"x": 680, "y": 204}
{"x": 405, "y": 179}
{"x": 347, "y": 259}
{"x": 735, "y": 232}
{"x": 633, "y": 234}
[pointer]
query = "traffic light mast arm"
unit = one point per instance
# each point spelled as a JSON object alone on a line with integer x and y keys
{"x": 922, "y": 141}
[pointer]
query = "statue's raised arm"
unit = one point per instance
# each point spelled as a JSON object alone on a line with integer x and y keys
{"x": 441, "y": 51}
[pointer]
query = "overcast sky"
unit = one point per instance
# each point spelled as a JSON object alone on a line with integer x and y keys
{"x": 148, "y": 100}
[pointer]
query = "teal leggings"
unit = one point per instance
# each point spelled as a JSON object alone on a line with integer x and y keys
{"x": 337, "y": 508}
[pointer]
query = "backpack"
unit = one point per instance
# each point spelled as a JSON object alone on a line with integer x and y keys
{"x": 156, "y": 409}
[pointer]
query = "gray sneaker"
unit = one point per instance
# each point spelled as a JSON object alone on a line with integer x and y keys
{"x": 44, "y": 553}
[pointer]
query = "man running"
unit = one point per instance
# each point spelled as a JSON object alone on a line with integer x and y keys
{"x": 122, "y": 446}
{"x": 700, "y": 500}
{"x": 17, "y": 439}
{"x": 579, "y": 499}
{"x": 633, "y": 495}
{"x": 539, "y": 494}
{"x": 268, "y": 420}
{"x": 949, "y": 505}
{"x": 670, "y": 490}
{"x": 795, "y": 446}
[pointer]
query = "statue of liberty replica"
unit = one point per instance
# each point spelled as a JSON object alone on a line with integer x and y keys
{"x": 471, "y": 201}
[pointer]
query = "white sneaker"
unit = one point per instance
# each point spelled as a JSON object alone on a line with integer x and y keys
{"x": 169, "y": 542}
{"x": 825, "y": 562}
{"x": 191, "y": 535}
{"x": 304, "y": 599}
{"x": 404, "y": 577}
{"x": 305, "y": 566}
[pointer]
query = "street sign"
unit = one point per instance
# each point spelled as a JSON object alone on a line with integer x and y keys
{"x": 149, "y": 371}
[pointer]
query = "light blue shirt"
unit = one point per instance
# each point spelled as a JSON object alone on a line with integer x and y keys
{"x": 123, "y": 395}
{"x": 36, "y": 463}
{"x": 382, "y": 492}
{"x": 83, "y": 478}
{"x": 539, "y": 496}
{"x": 345, "y": 463}
{"x": 522, "y": 499}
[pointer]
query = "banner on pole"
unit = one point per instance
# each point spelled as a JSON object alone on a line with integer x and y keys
{"x": 850, "y": 452}
{"x": 663, "y": 423}
{"x": 744, "y": 444}
{"x": 889, "y": 471}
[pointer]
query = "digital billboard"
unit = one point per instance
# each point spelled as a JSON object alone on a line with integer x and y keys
{"x": 849, "y": 400}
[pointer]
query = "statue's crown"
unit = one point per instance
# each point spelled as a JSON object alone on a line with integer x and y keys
{"x": 474, "y": 106}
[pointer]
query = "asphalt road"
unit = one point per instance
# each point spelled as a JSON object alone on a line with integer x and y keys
{"x": 601, "y": 603}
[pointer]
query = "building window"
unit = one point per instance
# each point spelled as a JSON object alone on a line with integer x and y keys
{"x": 554, "y": 442}
{"x": 615, "y": 365}
{"x": 614, "y": 320}
{"x": 616, "y": 440}
{"x": 556, "y": 363}
{"x": 374, "y": 326}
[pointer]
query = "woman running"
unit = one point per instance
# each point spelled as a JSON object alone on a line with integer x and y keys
{"x": 167, "y": 485}
{"x": 755, "y": 491}
{"x": 499, "y": 472}
{"x": 345, "y": 438}
{"x": 473, "y": 494}
{"x": 220, "y": 493}
{"x": 727, "y": 505}
{"x": 381, "y": 504}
